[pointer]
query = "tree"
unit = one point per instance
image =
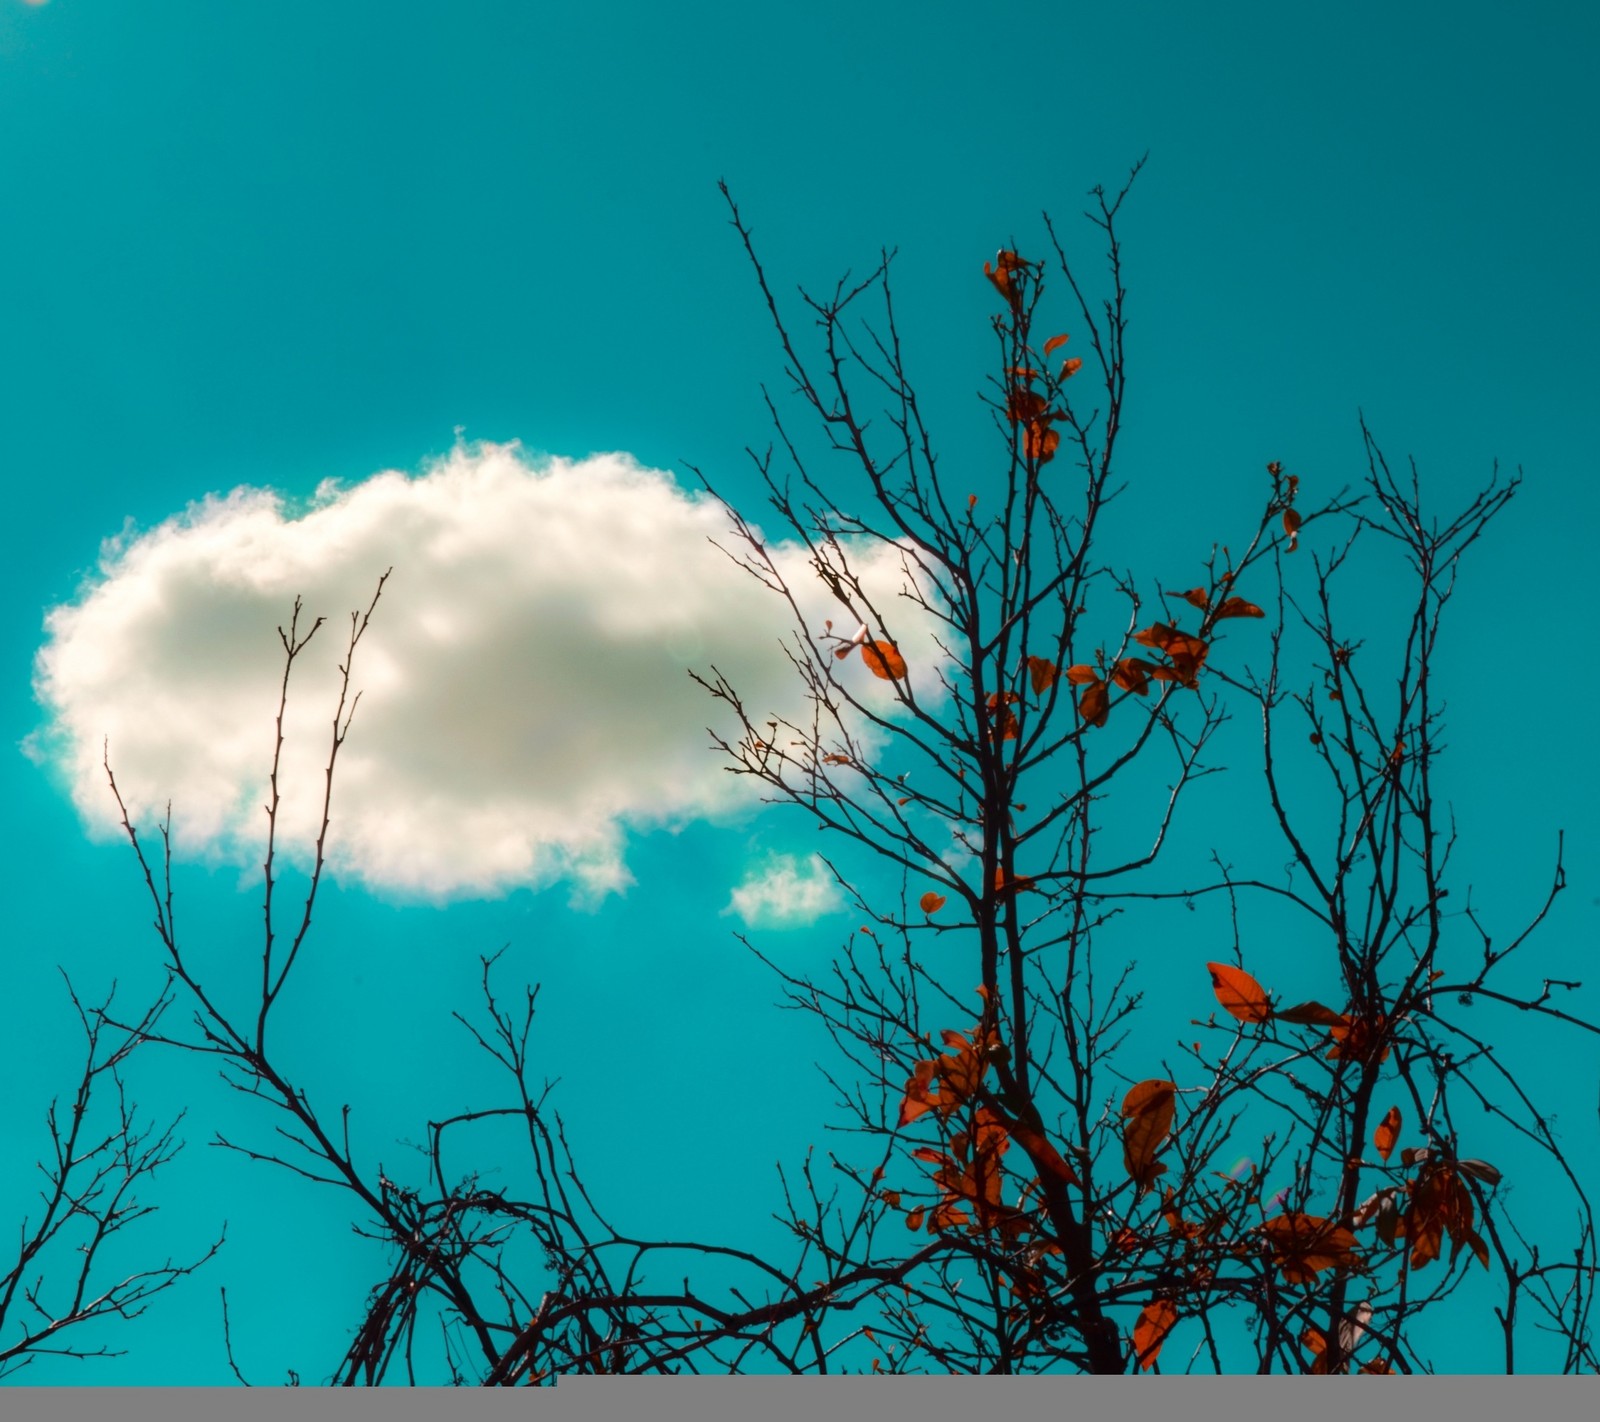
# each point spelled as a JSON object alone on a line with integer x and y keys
{"x": 99, "y": 1159}
{"x": 1043, "y": 1192}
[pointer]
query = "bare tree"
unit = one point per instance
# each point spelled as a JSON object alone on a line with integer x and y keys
{"x": 1057, "y": 690}
{"x": 99, "y": 1158}
{"x": 1040, "y": 1194}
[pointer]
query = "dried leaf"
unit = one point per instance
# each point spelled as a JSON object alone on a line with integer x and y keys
{"x": 1041, "y": 673}
{"x": 1155, "y": 1322}
{"x": 1148, "y": 1111}
{"x": 1004, "y": 888}
{"x": 1094, "y": 704}
{"x": 1133, "y": 674}
{"x": 1480, "y": 1170}
{"x": 1081, "y": 674}
{"x": 1195, "y": 597}
{"x": 1237, "y": 607}
{"x": 914, "y": 1219}
{"x": 1041, "y": 442}
{"x": 932, "y": 902}
{"x": 1309, "y": 1014}
{"x": 1069, "y": 368}
{"x": 884, "y": 660}
{"x": 1388, "y": 1133}
{"x": 1291, "y": 526}
{"x": 1054, "y": 343}
{"x": 1240, "y": 994}
{"x": 1000, "y": 274}
{"x": 1304, "y": 1245}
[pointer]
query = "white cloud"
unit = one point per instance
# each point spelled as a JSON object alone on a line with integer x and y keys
{"x": 525, "y": 693}
{"x": 785, "y": 894}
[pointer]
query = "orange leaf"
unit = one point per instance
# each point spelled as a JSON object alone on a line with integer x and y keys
{"x": 1237, "y": 607}
{"x": 914, "y": 1219}
{"x": 1004, "y": 887}
{"x": 1304, "y": 1245}
{"x": 1309, "y": 1014}
{"x": 1239, "y": 993}
{"x": 932, "y": 903}
{"x": 1041, "y": 672}
{"x": 884, "y": 660}
{"x": 1151, "y": 1331}
{"x": 1081, "y": 675}
{"x": 1040, "y": 1151}
{"x": 1388, "y": 1133}
{"x": 1041, "y": 442}
{"x": 1070, "y": 368}
{"x": 1195, "y": 597}
{"x": 1360, "y": 1039}
{"x": 1055, "y": 343}
{"x": 1000, "y": 274}
{"x": 1291, "y": 526}
{"x": 1093, "y": 703}
{"x": 917, "y": 1098}
{"x": 1133, "y": 674}
{"x": 1148, "y": 1110}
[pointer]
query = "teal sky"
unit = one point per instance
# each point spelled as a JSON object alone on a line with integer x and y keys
{"x": 265, "y": 247}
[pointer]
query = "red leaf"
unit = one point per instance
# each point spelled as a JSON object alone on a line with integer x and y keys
{"x": 1388, "y": 1133}
{"x": 1041, "y": 442}
{"x": 1148, "y": 1110}
{"x": 1309, "y": 1014}
{"x": 1155, "y": 1322}
{"x": 1239, "y": 993}
{"x": 1094, "y": 705}
{"x": 1304, "y": 1245}
{"x": 1291, "y": 526}
{"x": 1237, "y": 607}
{"x": 1041, "y": 673}
{"x": 1133, "y": 674}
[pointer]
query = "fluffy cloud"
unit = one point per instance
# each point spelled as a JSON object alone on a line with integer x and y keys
{"x": 525, "y": 696}
{"x": 786, "y": 894}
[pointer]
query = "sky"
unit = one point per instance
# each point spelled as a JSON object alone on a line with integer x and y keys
{"x": 294, "y": 295}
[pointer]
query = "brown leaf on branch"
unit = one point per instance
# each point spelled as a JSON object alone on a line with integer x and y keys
{"x": 1148, "y": 1111}
{"x": 1304, "y": 1245}
{"x": 1309, "y": 1014}
{"x": 1133, "y": 674}
{"x": 1237, "y": 607}
{"x": 1155, "y": 1322}
{"x": 1094, "y": 704}
{"x": 1388, "y": 1133}
{"x": 884, "y": 660}
{"x": 1240, "y": 994}
{"x": 999, "y": 273}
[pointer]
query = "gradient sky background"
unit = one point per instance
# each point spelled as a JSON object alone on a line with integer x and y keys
{"x": 265, "y": 247}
